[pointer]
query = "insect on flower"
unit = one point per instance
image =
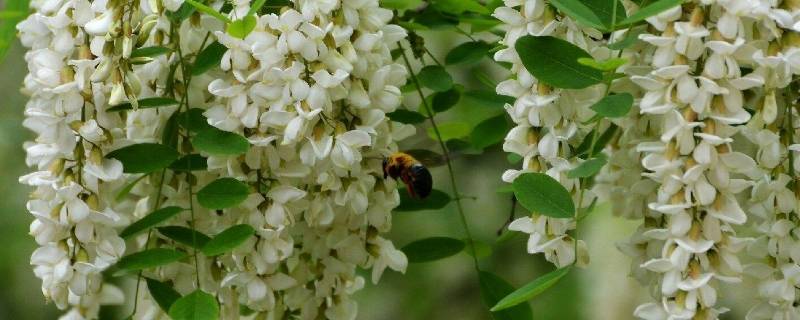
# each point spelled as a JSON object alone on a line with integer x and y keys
{"x": 402, "y": 166}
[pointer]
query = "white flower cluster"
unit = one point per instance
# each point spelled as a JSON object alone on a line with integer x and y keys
{"x": 698, "y": 89}
{"x": 549, "y": 123}
{"x": 309, "y": 88}
{"x": 73, "y": 45}
{"x": 773, "y": 199}
{"x": 699, "y": 65}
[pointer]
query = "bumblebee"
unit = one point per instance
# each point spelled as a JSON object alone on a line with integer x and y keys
{"x": 402, "y": 166}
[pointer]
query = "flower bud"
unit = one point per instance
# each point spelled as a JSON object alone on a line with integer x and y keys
{"x": 769, "y": 108}
{"x": 117, "y": 96}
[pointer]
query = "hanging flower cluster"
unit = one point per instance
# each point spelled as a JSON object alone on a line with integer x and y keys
{"x": 229, "y": 153}
{"x": 309, "y": 88}
{"x": 295, "y": 113}
{"x": 549, "y": 124}
{"x": 75, "y": 69}
{"x": 682, "y": 164}
{"x": 773, "y": 198}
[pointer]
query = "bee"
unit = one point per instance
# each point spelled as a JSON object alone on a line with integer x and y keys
{"x": 402, "y": 166}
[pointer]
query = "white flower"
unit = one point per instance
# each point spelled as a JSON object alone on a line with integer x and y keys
{"x": 346, "y": 147}
{"x": 389, "y": 257}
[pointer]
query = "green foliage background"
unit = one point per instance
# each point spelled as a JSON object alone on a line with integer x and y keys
{"x": 446, "y": 289}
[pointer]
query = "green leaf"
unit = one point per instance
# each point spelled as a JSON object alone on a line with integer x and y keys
{"x": 487, "y": 99}
{"x": 413, "y": 26}
{"x": 614, "y": 106}
{"x": 494, "y": 288}
{"x": 150, "y": 220}
{"x": 649, "y": 11}
{"x": 228, "y": 240}
{"x": 630, "y": 39}
{"x": 8, "y": 30}
{"x": 426, "y": 111}
{"x": 162, "y": 293}
{"x": 146, "y": 103}
{"x": 462, "y": 146}
{"x": 185, "y": 236}
{"x": 605, "y": 65}
{"x": 432, "y": 18}
{"x": 242, "y": 27}
{"x": 542, "y": 194}
{"x": 435, "y": 78}
{"x": 489, "y": 132}
{"x": 150, "y": 258}
{"x": 182, "y": 13}
{"x": 169, "y": 136}
{"x": 505, "y": 188}
{"x": 458, "y": 7}
{"x": 144, "y": 157}
{"x": 583, "y": 149}
{"x": 122, "y": 193}
{"x": 208, "y": 10}
{"x": 450, "y": 131}
{"x": 468, "y": 52}
{"x": 578, "y": 11}
{"x": 481, "y": 249}
{"x": 513, "y": 158}
{"x": 443, "y": 101}
{"x": 436, "y": 200}
{"x": 531, "y": 290}
{"x": 9, "y": 14}
{"x": 150, "y": 51}
{"x": 604, "y": 10}
{"x": 194, "y": 120}
{"x": 431, "y": 249}
{"x": 555, "y": 62}
{"x": 190, "y": 162}
{"x": 219, "y": 142}
{"x": 197, "y": 305}
{"x": 209, "y": 58}
{"x": 587, "y": 168}
{"x": 223, "y": 193}
{"x": 480, "y": 23}
{"x": 406, "y": 116}
{"x": 401, "y": 4}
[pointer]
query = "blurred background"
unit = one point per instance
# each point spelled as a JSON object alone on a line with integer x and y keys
{"x": 445, "y": 289}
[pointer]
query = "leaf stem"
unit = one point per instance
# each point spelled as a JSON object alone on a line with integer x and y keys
{"x": 790, "y": 136}
{"x": 147, "y": 242}
{"x": 461, "y": 31}
{"x": 185, "y": 105}
{"x": 590, "y": 153}
{"x": 446, "y": 153}
{"x": 209, "y": 11}
{"x": 434, "y": 58}
{"x": 256, "y": 6}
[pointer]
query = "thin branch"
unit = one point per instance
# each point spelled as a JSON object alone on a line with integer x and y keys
{"x": 446, "y": 153}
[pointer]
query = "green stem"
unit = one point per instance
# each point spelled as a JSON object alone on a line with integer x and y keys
{"x": 147, "y": 243}
{"x": 790, "y": 135}
{"x": 183, "y": 103}
{"x": 209, "y": 11}
{"x": 461, "y": 31}
{"x": 185, "y": 106}
{"x": 446, "y": 152}
{"x": 582, "y": 182}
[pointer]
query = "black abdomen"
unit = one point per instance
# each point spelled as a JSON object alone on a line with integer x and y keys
{"x": 422, "y": 180}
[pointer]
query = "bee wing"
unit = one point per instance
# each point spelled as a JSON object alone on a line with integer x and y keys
{"x": 432, "y": 159}
{"x": 427, "y": 157}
